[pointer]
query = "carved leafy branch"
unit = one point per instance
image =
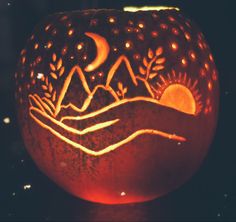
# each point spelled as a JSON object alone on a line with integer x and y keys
{"x": 152, "y": 63}
{"x": 122, "y": 90}
{"x": 56, "y": 71}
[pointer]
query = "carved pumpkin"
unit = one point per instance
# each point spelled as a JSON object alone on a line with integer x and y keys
{"x": 117, "y": 107}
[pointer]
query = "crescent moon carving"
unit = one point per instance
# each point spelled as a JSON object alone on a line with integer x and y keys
{"x": 102, "y": 51}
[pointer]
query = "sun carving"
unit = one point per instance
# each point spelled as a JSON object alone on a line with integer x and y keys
{"x": 176, "y": 91}
{"x": 179, "y": 92}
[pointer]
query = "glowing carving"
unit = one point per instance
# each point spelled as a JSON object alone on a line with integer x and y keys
{"x": 179, "y": 97}
{"x": 179, "y": 94}
{"x": 102, "y": 51}
{"x": 148, "y": 8}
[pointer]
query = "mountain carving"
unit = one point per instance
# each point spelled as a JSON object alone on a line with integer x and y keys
{"x": 102, "y": 95}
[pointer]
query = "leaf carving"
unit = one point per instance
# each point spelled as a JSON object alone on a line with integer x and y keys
{"x": 118, "y": 93}
{"x": 54, "y": 96}
{"x": 145, "y": 62}
{"x": 53, "y": 68}
{"x": 50, "y": 87}
{"x": 152, "y": 75}
{"x": 125, "y": 90}
{"x": 150, "y": 54}
{"x": 158, "y": 67}
{"x": 141, "y": 70}
{"x": 62, "y": 71}
{"x": 54, "y": 57}
{"x": 120, "y": 86}
{"x": 160, "y": 60}
{"x": 46, "y": 81}
{"x": 59, "y": 64}
{"x": 47, "y": 95}
{"x": 44, "y": 87}
{"x": 53, "y": 75}
{"x": 159, "y": 51}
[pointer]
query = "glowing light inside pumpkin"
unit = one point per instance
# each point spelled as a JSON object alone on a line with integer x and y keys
{"x": 148, "y": 8}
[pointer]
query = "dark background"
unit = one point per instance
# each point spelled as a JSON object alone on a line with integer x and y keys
{"x": 209, "y": 195}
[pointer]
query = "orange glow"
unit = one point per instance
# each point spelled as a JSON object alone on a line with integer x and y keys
{"x": 49, "y": 45}
{"x": 202, "y": 72}
{"x": 23, "y": 51}
{"x": 175, "y": 31}
{"x": 112, "y": 20}
{"x": 23, "y": 59}
{"x": 64, "y": 50}
{"x": 128, "y": 29}
{"x": 47, "y": 27}
{"x": 137, "y": 56}
{"x": 163, "y": 26}
{"x": 209, "y": 85}
{"x": 114, "y": 49}
{"x": 38, "y": 59}
{"x": 192, "y": 55}
{"x": 184, "y": 61}
{"x": 92, "y": 78}
{"x": 187, "y": 36}
{"x": 103, "y": 50}
{"x": 141, "y": 25}
{"x": 206, "y": 65}
{"x": 36, "y": 45}
{"x": 211, "y": 57}
{"x": 172, "y": 19}
{"x": 80, "y": 46}
{"x": 214, "y": 76}
{"x": 154, "y": 34}
{"x": 179, "y": 97}
{"x": 140, "y": 36}
{"x": 181, "y": 85}
{"x": 70, "y": 32}
{"x": 174, "y": 46}
{"x": 122, "y": 193}
{"x": 115, "y": 31}
{"x": 128, "y": 44}
{"x": 100, "y": 74}
{"x": 54, "y": 32}
{"x": 200, "y": 45}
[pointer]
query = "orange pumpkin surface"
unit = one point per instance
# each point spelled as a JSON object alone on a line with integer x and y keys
{"x": 117, "y": 107}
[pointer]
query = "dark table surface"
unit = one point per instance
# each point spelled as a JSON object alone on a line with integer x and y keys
{"x": 26, "y": 194}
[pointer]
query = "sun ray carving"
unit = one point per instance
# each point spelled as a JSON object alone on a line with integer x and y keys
{"x": 178, "y": 92}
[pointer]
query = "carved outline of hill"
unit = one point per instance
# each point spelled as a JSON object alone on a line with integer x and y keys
{"x": 107, "y": 87}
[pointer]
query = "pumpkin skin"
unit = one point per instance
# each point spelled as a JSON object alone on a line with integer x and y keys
{"x": 117, "y": 107}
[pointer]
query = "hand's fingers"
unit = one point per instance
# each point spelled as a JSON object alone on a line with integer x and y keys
{"x": 36, "y": 101}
